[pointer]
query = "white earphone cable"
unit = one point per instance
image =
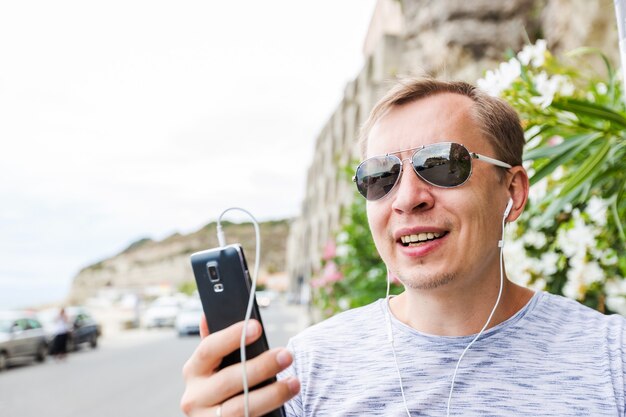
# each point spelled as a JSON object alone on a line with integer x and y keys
{"x": 393, "y": 348}
{"x": 242, "y": 345}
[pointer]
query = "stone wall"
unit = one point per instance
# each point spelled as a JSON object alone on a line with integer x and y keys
{"x": 451, "y": 39}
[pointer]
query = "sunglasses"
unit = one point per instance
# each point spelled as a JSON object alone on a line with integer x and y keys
{"x": 444, "y": 164}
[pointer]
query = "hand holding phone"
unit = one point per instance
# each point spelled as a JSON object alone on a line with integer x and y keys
{"x": 208, "y": 387}
{"x": 224, "y": 287}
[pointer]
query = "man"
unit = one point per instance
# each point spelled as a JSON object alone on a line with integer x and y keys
{"x": 442, "y": 173}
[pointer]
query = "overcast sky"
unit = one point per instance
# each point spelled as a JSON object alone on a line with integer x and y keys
{"x": 128, "y": 119}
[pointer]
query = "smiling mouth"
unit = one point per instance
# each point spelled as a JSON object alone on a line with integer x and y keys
{"x": 419, "y": 238}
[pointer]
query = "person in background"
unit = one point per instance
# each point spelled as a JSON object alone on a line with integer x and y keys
{"x": 61, "y": 334}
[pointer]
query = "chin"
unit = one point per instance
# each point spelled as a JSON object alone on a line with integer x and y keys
{"x": 427, "y": 282}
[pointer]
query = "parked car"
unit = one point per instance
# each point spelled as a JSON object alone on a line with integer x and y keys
{"x": 21, "y": 337}
{"x": 162, "y": 312}
{"x": 188, "y": 318}
{"x": 84, "y": 329}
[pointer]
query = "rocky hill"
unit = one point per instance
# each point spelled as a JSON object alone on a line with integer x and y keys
{"x": 148, "y": 263}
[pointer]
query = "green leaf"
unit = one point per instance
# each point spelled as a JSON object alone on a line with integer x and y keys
{"x": 588, "y": 50}
{"x": 585, "y": 172}
{"x": 547, "y": 151}
{"x": 561, "y": 159}
{"x": 618, "y": 221}
{"x": 555, "y": 207}
{"x": 589, "y": 109}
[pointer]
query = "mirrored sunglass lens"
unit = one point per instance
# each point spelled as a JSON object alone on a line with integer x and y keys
{"x": 444, "y": 164}
{"x": 376, "y": 176}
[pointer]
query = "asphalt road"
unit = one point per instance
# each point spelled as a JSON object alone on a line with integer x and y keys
{"x": 134, "y": 374}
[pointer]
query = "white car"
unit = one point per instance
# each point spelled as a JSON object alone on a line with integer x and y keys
{"x": 265, "y": 297}
{"x": 188, "y": 318}
{"x": 161, "y": 313}
{"x": 21, "y": 337}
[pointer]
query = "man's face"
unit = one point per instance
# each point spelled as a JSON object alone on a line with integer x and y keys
{"x": 467, "y": 218}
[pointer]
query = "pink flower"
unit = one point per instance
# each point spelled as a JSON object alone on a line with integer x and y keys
{"x": 332, "y": 273}
{"x": 330, "y": 250}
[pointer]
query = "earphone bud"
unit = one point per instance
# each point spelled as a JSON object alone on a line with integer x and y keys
{"x": 508, "y": 208}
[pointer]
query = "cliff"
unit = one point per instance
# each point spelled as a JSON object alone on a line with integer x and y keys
{"x": 147, "y": 263}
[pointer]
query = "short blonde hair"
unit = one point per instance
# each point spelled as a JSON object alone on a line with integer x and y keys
{"x": 498, "y": 121}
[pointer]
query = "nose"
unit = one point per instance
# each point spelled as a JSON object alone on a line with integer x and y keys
{"x": 412, "y": 193}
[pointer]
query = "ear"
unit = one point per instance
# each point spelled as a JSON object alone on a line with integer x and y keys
{"x": 518, "y": 187}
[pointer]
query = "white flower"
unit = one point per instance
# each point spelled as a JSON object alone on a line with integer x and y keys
{"x": 500, "y": 79}
{"x": 616, "y": 295}
{"x": 342, "y": 237}
{"x": 567, "y": 208}
{"x": 548, "y": 263}
{"x": 597, "y": 210}
{"x": 558, "y": 173}
{"x": 539, "y": 190}
{"x": 607, "y": 257}
{"x": 344, "y": 303}
{"x": 372, "y": 273}
{"x": 342, "y": 251}
{"x": 615, "y": 287}
{"x": 617, "y": 304}
{"x": 548, "y": 87}
{"x": 565, "y": 87}
{"x": 538, "y": 285}
{"x": 518, "y": 264}
{"x": 601, "y": 88}
{"x": 580, "y": 276}
{"x": 535, "y": 239}
{"x": 573, "y": 289}
{"x": 533, "y": 54}
{"x": 490, "y": 83}
{"x": 575, "y": 241}
{"x": 591, "y": 272}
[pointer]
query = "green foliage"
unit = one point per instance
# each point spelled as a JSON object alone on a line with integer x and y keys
{"x": 187, "y": 287}
{"x": 570, "y": 239}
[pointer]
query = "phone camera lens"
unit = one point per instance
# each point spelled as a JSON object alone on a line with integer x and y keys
{"x": 213, "y": 275}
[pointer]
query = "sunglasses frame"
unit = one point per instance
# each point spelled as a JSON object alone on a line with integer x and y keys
{"x": 473, "y": 155}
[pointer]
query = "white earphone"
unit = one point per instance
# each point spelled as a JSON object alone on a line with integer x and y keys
{"x": 508, "y": 208}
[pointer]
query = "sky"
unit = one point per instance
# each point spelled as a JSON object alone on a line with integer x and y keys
{"x": 121, "y": 120}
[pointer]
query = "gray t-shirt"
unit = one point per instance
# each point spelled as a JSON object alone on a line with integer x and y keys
{"x": 554, "y": 357}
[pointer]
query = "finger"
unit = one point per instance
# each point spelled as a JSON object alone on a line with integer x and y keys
{"x": 228, "y": 382}
{"x": 212, "y": 349}
{"x": 204, "y": 327}
{"x": 263, "y": 400}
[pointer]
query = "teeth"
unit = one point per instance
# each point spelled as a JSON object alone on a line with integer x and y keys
{"x": 420, "y": 237}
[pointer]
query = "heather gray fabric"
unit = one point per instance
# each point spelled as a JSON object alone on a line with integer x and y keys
{"x": 555, "y": 357}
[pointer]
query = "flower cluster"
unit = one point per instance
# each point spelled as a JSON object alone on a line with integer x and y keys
{"x": 570, "y": 240}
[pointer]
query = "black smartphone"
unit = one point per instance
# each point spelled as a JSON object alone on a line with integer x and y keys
{"x": 224, "y": 286}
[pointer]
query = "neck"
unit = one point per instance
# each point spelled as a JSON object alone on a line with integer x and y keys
{"x": 461, "y": 311}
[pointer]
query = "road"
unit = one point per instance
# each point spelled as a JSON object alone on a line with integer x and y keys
{"x": 137, "y": 373}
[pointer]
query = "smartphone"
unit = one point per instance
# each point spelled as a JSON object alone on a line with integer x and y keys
{"x": 224, "y": 286}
